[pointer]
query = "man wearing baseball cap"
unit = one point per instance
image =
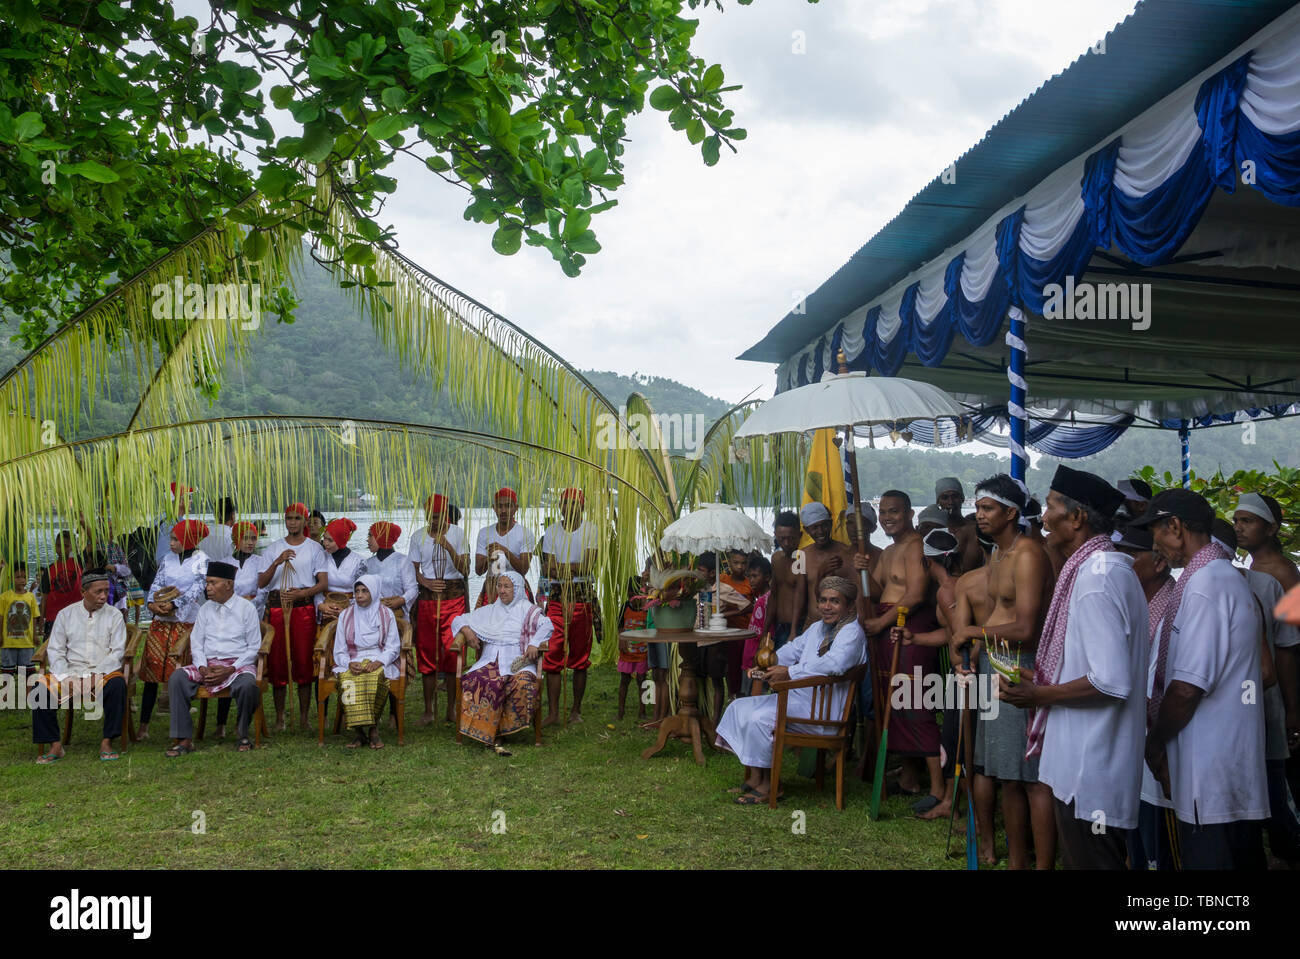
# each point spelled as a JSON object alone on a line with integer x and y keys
{"x": 1086, "y": 699}
{"x": 1205, "y": 739}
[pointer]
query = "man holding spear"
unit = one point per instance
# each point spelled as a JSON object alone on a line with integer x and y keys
{"x": 440, "y": 554}
{"x": 296, "y": 565}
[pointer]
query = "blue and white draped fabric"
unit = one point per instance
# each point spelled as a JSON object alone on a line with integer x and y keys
{"x": 1140, "y": 193}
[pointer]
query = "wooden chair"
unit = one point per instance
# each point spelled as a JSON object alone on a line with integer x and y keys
{"x": 259, "y": 718}
{"x": 327, "y": 681}
{"x": 459, "y": 647}
{"x": 134, "y": 636}
{"x": 835, "y": 738}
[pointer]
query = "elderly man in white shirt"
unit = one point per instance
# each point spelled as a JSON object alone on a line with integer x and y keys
{"x": 84, "y": 653}
{"x": 1206, "y": 742}
{"x": 223, "y": 649}
{"x": 1088, "y": 716}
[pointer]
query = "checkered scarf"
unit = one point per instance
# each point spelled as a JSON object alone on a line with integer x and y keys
{"x": 1204, "y": 556}
{"x": 1051, "y": 643}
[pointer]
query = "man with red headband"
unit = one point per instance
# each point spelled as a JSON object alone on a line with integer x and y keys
{"x": 440, "y": 558}
{"x": 182, "y": 574}
{"x": 342, "y": 565}
{"x": 569, "y": 550}
{"x": 505, "y": 546}
{"x": 294, "y": 569}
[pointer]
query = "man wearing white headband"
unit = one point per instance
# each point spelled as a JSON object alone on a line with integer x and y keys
{"x": 1020, "y": 588}
{"x": 1256, "y": 522}
{"x": 824, "y": 557}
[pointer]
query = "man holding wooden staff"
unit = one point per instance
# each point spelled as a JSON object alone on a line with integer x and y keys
{"x": 569, "y": 550}
{"x": 440, "y": 554}
{"x": 295, "y": 569}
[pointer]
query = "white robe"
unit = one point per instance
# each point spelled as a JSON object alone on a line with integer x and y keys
{"x": 374, "y": 635}
{"x": 748, "y": 724}
{"x": 396, "y": 577}
{"x": 499, "y": 628}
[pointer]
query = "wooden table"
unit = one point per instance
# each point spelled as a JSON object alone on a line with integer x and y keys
{"x": 688, "y": 723}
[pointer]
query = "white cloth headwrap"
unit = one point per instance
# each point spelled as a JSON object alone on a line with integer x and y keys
{"x": 948, "y": 484}
{"x": 989, "y": 494}
{"x": 1254, "y": 503}
{"x": 812, "y": 513}
{"x": 497, "y": 622}
{"x": 1126, "y": 487}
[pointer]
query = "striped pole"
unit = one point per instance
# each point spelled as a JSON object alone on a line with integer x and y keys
{"x": 1185, "y": 441}
{"x": 1019, "y": 388}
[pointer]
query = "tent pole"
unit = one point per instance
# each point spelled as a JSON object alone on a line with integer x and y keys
{"x": 1016, "y": 403}
{"x": 1185, "y": 441}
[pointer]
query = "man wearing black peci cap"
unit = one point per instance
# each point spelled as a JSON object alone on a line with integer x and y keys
{"x": 223, "y": 647}
{"x": 1205, "y": 739}
{"x": 1085, "y": 690}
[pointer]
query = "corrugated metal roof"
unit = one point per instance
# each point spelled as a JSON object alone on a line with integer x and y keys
{"x": 1159, "y": 47}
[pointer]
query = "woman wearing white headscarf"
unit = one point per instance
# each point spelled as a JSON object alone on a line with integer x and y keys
{"x": 366, "y": 641}
{"x": 500, "y": 693}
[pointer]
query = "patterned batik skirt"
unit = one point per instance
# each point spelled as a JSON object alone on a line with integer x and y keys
{"x": 492, "y": 705}
{"x": 364, "y": 695}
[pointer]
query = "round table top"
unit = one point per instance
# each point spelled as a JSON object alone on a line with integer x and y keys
{"x": 700, "y": 636}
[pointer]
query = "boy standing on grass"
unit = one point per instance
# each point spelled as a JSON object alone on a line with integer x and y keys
{"x": 632, "y": 655}
{"x": 20, "y": 619}
{"x": 735, "y": 574}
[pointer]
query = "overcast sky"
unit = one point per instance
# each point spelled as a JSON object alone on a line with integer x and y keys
{"x": 697, "y": 262}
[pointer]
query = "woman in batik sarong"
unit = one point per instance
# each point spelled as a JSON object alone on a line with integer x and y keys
{"x": 499, "y": 695}
{"x": 366, "y": 651}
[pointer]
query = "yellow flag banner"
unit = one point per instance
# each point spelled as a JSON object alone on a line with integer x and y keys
{"x": 824, "y": 483}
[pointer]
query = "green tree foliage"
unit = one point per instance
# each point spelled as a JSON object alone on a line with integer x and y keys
{"x": 125, "y": 129}
{"x": 1282, "y": 483}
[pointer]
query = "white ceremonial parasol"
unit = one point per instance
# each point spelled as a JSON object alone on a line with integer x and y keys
{"x": 716, "y": 527}
{"x": 847, "y": 400}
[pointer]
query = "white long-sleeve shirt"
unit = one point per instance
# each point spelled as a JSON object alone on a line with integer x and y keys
{"x": 187, "y": 575}
{"x": 848, "y": 649}
{"x": 396, "y": 577}
{"x": 82, "y": 643}
{"x": 228, "y": 630}
{"x": 341, "y": 577}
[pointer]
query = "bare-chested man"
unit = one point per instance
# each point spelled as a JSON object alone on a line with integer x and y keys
{"x": 865, "y": 561}
{"x": 899, "y": 579}
{"x": 941, "y": 558}
{"x": 825, "y": 557}
{"x": 1256, "y": 522}
{"x": 1020, "y": 589}
{"x": 788, "y": 589}
{"x": 949, "y": 495}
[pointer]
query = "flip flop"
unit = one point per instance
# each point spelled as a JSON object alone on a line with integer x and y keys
{"x": 925, "y": 805}
{"x": 740, "y": 790}
{"x": 501, "y": 750}
{"x": 245, "y": 745}
{"x": 109, "y": 756}
{"x": 178, "y": 750}
{"x": 754, "y": 799}
{"x": 48, "y": 759}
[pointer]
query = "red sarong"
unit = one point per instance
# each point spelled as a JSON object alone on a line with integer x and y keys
{"x": 164, "y": 636}
{"x": 433, "y": 633}
{"x": 569, "y": 648}
{"x": 912, "y": 732}
{"x": 302, "y": 633}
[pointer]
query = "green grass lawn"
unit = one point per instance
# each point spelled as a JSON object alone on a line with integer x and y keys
{"x": 585, "y": 798}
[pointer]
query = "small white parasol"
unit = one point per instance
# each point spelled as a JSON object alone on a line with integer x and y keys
{"x": 716, "y": 527}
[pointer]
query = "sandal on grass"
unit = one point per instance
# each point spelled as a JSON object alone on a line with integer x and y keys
{"x": 180, "y": 749}
{"x": 245, "y": 745}
{"x": 48, "y": 759}
{"x": 109, "y": 755}
{"x": 925, "y": 805}
{"x": 753, "y": 799}
{"x": 740, "y": 790}
{"x": 501, "y": 750}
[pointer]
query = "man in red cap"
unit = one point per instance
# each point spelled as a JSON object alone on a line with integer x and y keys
{"x": 182, "y": 574}
{"x": 569, "y": 550}
{"x": 440, "y": 557}
{"x": 505, "y": 546}
{"x": 294, "y": 570}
